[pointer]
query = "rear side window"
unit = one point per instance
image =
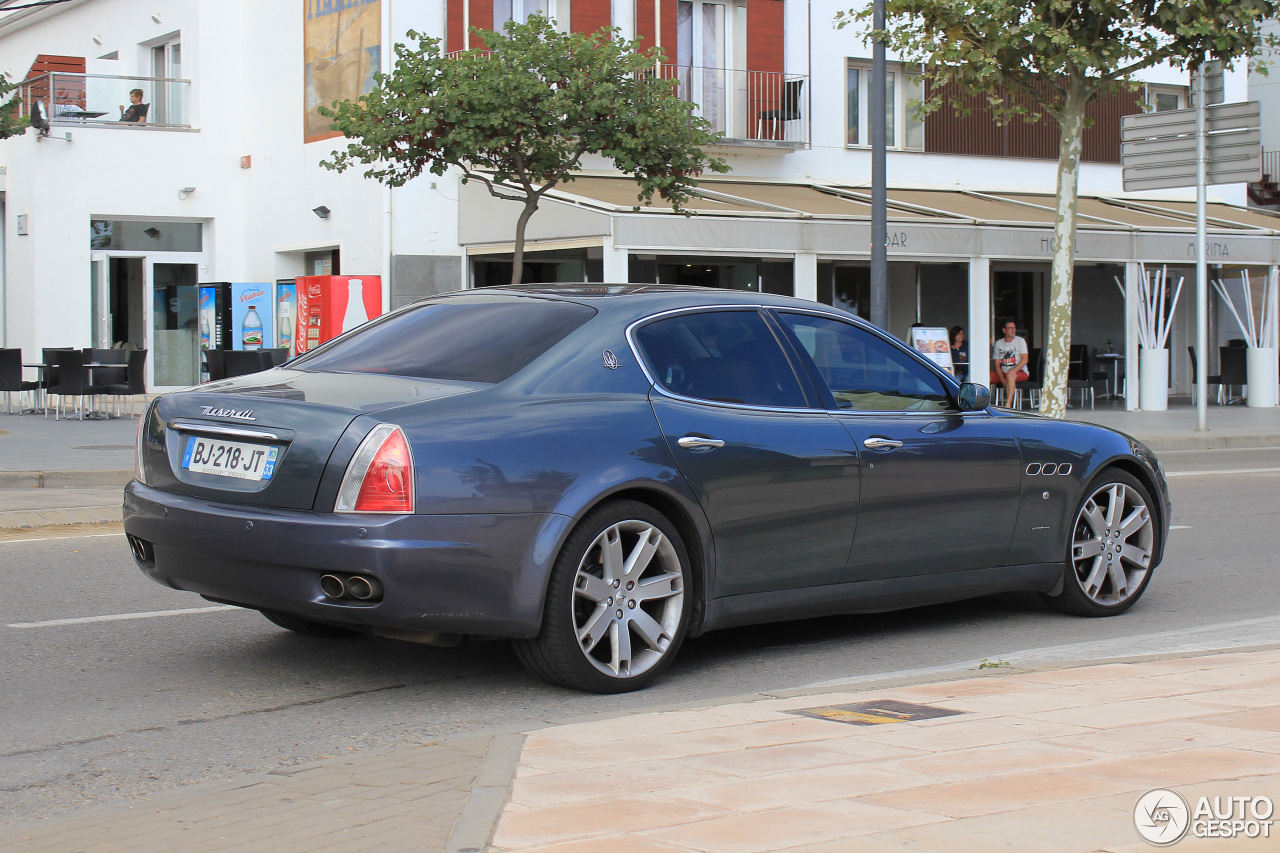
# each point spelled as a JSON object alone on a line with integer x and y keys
{"x": 864, "y": 372}
{"x": 454, "y": 340}
{"x": 723, "y": 356}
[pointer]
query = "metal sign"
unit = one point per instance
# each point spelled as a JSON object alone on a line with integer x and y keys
{"x": 1214, "y": 84}
{"x": 1158, "y": 150}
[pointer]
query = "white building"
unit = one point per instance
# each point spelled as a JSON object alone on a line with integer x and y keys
{"x": 109, "y": 225}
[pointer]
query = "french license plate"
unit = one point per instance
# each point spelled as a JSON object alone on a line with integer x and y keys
{"x": 230, "y": 458}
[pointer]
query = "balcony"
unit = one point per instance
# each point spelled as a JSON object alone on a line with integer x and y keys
{"x": 1266, "y": 192}
{"x": 754, "y": 109}
{"x": 77, "y": 100}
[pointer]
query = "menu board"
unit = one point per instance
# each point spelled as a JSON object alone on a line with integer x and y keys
{"x": 934, "y": 345}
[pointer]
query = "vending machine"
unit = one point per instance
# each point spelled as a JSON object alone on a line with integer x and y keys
{"x": 253, "y": 315}
{"x": 329, "y": 305}
{"x": 213, "y": 320}
{"x": 286, "y": 314}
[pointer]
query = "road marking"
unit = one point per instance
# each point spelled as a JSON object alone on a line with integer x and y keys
{"x": 119, "y": 617}
{"x": 1180, "y": 527}
{"x": 1222, "y": 471}
{"x": 58, "y": 538}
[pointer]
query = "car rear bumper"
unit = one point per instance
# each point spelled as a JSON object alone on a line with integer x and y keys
{"x": 466, "y": 574}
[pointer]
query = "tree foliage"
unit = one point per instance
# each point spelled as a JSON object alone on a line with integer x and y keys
{"x": 11, "y": 122}
{"x": 1056, "y": 56}
{"x": 520, "y": 116}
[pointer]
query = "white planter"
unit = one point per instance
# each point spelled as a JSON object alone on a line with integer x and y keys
{"x": 1153, "y": 379}
{"x": 1261, "y": 368}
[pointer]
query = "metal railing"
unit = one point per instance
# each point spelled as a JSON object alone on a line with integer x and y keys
{"x": 104, "y": 99}
{"x": 1271, "y": 165}
{"x": 753, "y": 106}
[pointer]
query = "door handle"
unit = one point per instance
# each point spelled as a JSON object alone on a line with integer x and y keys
{"x": 877, "y": 443}
{"x": 699, "y": 442}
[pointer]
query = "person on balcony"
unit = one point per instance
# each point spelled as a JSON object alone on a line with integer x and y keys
{"x": 137, "y": 111}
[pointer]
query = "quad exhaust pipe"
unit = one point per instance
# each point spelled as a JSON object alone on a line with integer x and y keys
{"x": 358, "y": 587}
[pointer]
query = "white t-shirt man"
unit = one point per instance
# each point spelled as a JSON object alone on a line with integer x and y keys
{"x": 1007, "y": 354}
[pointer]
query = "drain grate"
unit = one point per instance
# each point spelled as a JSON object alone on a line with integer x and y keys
{"x": 876, "y": 713}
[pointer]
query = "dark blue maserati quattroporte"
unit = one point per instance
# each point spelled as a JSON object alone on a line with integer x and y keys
{"x": 598, "y": 472}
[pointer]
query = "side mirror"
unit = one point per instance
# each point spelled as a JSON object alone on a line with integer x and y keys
{"x": 973, "y": 398}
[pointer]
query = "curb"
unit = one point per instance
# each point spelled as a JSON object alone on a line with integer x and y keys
{"x": 1211, "y": 442}
{"x": 27, "y": 519}
{"x": 65, "y": 479}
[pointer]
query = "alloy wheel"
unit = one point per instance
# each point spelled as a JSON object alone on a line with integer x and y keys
{"x": 1112, "y": 544}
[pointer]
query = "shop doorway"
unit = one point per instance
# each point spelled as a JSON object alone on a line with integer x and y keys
{"x": 146, "y": 302}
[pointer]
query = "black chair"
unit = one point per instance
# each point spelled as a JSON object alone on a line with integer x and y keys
{"x": 1233, "y": 371}
{"x": 215, "y": 364}
{"x": 277, "y": 356}
{"x": 49, "y": 358}
{"x": 136, "y": 381}
{"x": 788, "y": 109}
{"x": 1080, "y": 373}
{"x": 11, "y": 379}
{"x": 107, "y": 375}
{"x": 1034, "y": 383}
{"x": 242, "y": 362}
{"x": 1211, "y": 379}
{"x": 70, "y": 381}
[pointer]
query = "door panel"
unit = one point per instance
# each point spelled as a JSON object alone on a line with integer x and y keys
{"x": 946, "y": 500}
{"x": 781, "y": 494}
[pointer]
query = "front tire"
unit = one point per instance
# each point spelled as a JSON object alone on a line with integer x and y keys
{"x": 618, "y": 603}
{"x": 306, "y": 627}
{"x": 1114, "y": 540}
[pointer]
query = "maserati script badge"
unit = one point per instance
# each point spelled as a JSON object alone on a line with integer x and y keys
{"x": 242, "y": 415}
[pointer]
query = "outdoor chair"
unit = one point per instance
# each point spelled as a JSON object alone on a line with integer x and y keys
{"x": 1211, "y": 379}
{"x": 11, "y": 379}
{"x": 788, "y": 110}
{"x": 70, "y": 381}
{"x": 242, "y": 362}
{"x": 215, "y": 364}
{"x": 1080, "y": 373}
{"x": 277, "y": 356}
{"x": 1035, "y": 380}
{"x": 1233, "y": 372}
{"x": 136, "y": 381}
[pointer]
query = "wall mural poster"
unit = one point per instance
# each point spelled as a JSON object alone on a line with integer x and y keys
{"x": 342, "y": 48}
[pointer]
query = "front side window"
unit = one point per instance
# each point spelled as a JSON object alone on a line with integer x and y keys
{"x": 461, "y": 340}
{"x": 721, "y": 356}
{"x": 519, "y": 11}
{"x": 903, "y": 93}
{"x": 864, "y": 372}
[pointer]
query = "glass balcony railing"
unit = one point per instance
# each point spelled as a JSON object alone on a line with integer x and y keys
{"x": 768, "y": 108}
{"x": 102, "y": 99}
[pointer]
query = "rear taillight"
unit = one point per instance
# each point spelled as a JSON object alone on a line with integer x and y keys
{"x": 380, "y": 476}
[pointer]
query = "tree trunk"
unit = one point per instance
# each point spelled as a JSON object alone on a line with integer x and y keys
{"x": 517, "y": 261}
{"x": 1053, "y": 399}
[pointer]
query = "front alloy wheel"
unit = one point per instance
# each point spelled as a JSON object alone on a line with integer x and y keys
{"x": 617, "y": 603}
{"x": 1113, "y": 544}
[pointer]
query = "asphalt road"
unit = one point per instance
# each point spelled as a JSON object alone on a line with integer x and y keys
{"x": 103, "y": 710}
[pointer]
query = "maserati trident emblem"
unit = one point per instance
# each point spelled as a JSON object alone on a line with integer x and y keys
{"x": 215, "y": 412}
{"x": 610, "y": 360}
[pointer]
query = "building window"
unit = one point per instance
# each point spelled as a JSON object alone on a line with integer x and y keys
{"x": 903, "y": 93}
{"x": 169, "y": 106}
{"x": 1164, "y": 98}
{"x": 520, "y": 11}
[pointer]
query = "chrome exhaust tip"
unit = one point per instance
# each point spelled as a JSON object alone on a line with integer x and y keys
{"x": 363, "y": 588}
{"x": 333, "y": 586}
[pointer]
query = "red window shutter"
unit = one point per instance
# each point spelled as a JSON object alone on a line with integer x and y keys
{"x": 481, "y": 16}
{"x": 588, "y": 16}
{"x": 766, "y": 45}
{"x": 644, "y": 26}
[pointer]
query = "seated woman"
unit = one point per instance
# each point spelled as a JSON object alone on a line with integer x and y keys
{"x": 137, "y": 111}
{"x": 959, "y": 353}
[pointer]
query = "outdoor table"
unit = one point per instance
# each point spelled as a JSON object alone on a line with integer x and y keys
{"x": 42, "y": 407}
{"x": 1112, "y": 360}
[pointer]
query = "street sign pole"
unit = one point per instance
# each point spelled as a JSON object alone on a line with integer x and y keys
{"x": 1202, "y": 270}
{"x": 879, "y": 193}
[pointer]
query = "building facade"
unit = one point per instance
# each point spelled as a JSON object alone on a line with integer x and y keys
{"x": 108, "y": 225}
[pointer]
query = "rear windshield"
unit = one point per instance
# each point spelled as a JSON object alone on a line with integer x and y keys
{"x": 454, "y": 340}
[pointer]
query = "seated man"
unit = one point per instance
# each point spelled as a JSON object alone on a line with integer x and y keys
{"x": 1008, "y": 360}
{"x": 137, "y": 111}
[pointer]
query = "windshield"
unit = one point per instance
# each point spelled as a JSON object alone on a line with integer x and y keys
{"x": 456, "y": 339}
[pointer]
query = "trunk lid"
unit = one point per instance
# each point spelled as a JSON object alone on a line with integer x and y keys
{"x": 294, "y": 416}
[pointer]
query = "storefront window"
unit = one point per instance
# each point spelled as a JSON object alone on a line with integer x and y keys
{"x": 127, "y": 235}
{"x": 760, "y": 275}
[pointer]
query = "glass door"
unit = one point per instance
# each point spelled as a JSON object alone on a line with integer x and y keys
{"x": 100, "y": 332}
{"x": 175, "y": 332}
{"x": 166, "y": 63}
{"x": 710, "y": 38}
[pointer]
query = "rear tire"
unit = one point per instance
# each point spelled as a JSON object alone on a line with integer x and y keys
{"x": 618, "y": 603}
{"x": 307, "y": 627}
{"x": 1114, "y": 540}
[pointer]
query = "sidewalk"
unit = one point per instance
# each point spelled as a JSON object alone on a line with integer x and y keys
{"x": 1051, "y": 759}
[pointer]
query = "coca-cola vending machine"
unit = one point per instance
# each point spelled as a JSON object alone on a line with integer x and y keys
{"x": 329, "y": 305}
